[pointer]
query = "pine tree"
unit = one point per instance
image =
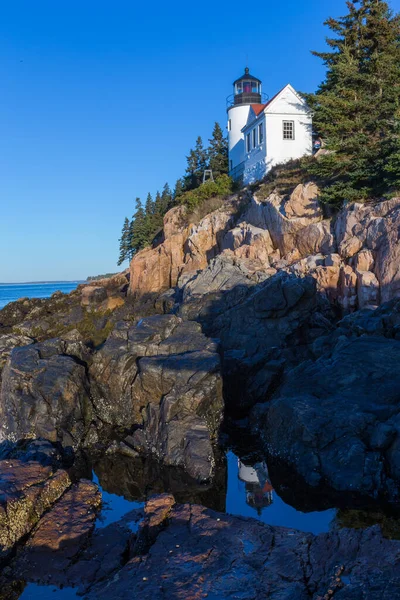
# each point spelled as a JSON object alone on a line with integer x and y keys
{"x": 124, "y": 243}
{"x": 356, "y": 108}
{"x": 218, "y": 152}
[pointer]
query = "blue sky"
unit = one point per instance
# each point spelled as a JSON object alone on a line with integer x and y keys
{"x": 101, "y": 102}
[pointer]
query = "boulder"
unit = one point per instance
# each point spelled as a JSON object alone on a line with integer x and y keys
{"x": 45, "y": 393}
{"x": 29, "y": 485}
{"x": 60, "y": 536}
{"x": 303, "y": 202}
{"x": 161, "y": 376}
{"x": 7, "y": 343}
{"x": 336, "y": 421}
{"x": 183, "y": 251}
{"x": 261, "y": 328}
{"x": 367, "y": 289}
{"x": 373, "y": 228}
{"x": 248, "y": 241}
{"x": 295, "y": 223}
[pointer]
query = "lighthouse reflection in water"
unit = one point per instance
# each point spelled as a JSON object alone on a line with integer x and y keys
{"x": 257, "y": 484}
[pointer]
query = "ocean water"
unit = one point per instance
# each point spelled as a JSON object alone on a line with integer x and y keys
{"x": 9, "y": 292}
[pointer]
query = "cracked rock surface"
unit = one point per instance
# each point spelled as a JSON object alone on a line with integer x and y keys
{"x": 188, "y": 551}
{"x": 161, "y": 377}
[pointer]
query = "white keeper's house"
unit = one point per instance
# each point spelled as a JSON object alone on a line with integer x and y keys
{"x": 263, "y": 133}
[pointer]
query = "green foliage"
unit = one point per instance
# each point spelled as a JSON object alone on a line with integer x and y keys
{"x": 218, "y": 152}
{"x": 283, "y": 178}
{"x": 125, "y": 251}
{"x": 98, "y": 277}
{"x": 196, "y": 165}
{"x": 147, "y": 222}
{"x": 222, "y": 186}
{"x": 357, "y": 108}
{"x": 139, "y": 228}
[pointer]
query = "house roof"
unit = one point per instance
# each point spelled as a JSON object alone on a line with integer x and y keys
{"x": 258, "y": 109}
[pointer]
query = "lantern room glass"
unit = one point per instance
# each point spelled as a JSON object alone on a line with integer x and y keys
{"x": 248, "y": 87}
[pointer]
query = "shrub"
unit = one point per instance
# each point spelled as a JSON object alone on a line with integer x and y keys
{"x": 222, "y": 186}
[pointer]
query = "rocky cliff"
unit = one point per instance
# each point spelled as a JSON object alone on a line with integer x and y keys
{"x": 266, "y": 310}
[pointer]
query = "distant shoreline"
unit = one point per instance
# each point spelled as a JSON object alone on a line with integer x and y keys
{"x": 43, "y": 282}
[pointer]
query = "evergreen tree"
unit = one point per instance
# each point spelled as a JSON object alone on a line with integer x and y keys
{"x": 138, "y": 235}
{"x": 149, "y": 218}
{"x": 179, "y": 189}
{"x": 125, "y": 251}
{"x": 167, "y": 199}
{"x": 356, "y": 108}
{"x": 196, "y": 164}
{"x": 218, "y": 152}
{"x": 158, "y": 213}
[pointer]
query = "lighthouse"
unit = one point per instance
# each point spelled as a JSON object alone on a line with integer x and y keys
{"x": 247, "y": 92}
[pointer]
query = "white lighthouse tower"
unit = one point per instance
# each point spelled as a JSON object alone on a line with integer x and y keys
{"x": 246, "y": 92}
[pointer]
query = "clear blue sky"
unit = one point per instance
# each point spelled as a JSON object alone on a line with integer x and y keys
{"x": 101, "y": 102}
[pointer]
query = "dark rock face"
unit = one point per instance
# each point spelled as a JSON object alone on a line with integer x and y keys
{"x": 263, "y": 329}
{"x": 184, "y": 551}
{"x": 8, "y": 343}
{"x": 337, "y": 420}
{"x": 162, "y": 376}
{"x": 45, "y": 393}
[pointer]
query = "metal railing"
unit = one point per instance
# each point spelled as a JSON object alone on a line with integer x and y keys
{"x": 246, "y": 98}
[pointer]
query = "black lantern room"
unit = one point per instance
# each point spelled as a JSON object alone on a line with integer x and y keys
{"x": 246, "y": 89}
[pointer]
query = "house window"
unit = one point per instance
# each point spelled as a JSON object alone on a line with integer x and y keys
{"x": 248, "y": 145}
{"x": 260, "y": 133}
{"x": 288, "y": 130}
{"x": 229, "y": 125}
{"x": 254, "y": 137}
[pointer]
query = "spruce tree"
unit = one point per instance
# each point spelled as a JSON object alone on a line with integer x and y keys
{"x": 124, "y": 243}
{"x": 179, "y": 189}
{"x": 149, "y": 218}
{"x": 218, "y": 152}
{"x": 167, "y": 199}
{"x": 158, "y": 213}
{"x": 138, "y": 235}
{"x": 356, "y": 108}
{"x": 196, "y": 164}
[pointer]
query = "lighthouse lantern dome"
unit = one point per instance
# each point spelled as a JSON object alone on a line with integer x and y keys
{"x": 247, "y": 89}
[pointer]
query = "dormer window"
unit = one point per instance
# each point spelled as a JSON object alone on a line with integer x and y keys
{"x": 254, "y": 137}
{"x": 248, "y": 144}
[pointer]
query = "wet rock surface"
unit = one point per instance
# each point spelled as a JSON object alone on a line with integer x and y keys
{"x": 30, "y": 483}
{"x": 188, "y": 551}
{"x": 335, "y": 419}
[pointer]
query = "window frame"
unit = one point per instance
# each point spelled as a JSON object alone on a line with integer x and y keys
{"x": 248, "y": 142}
{"x": 285, "y": 132}
{"x": 261, "y": 133}
{"x": 254, "y": 137}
